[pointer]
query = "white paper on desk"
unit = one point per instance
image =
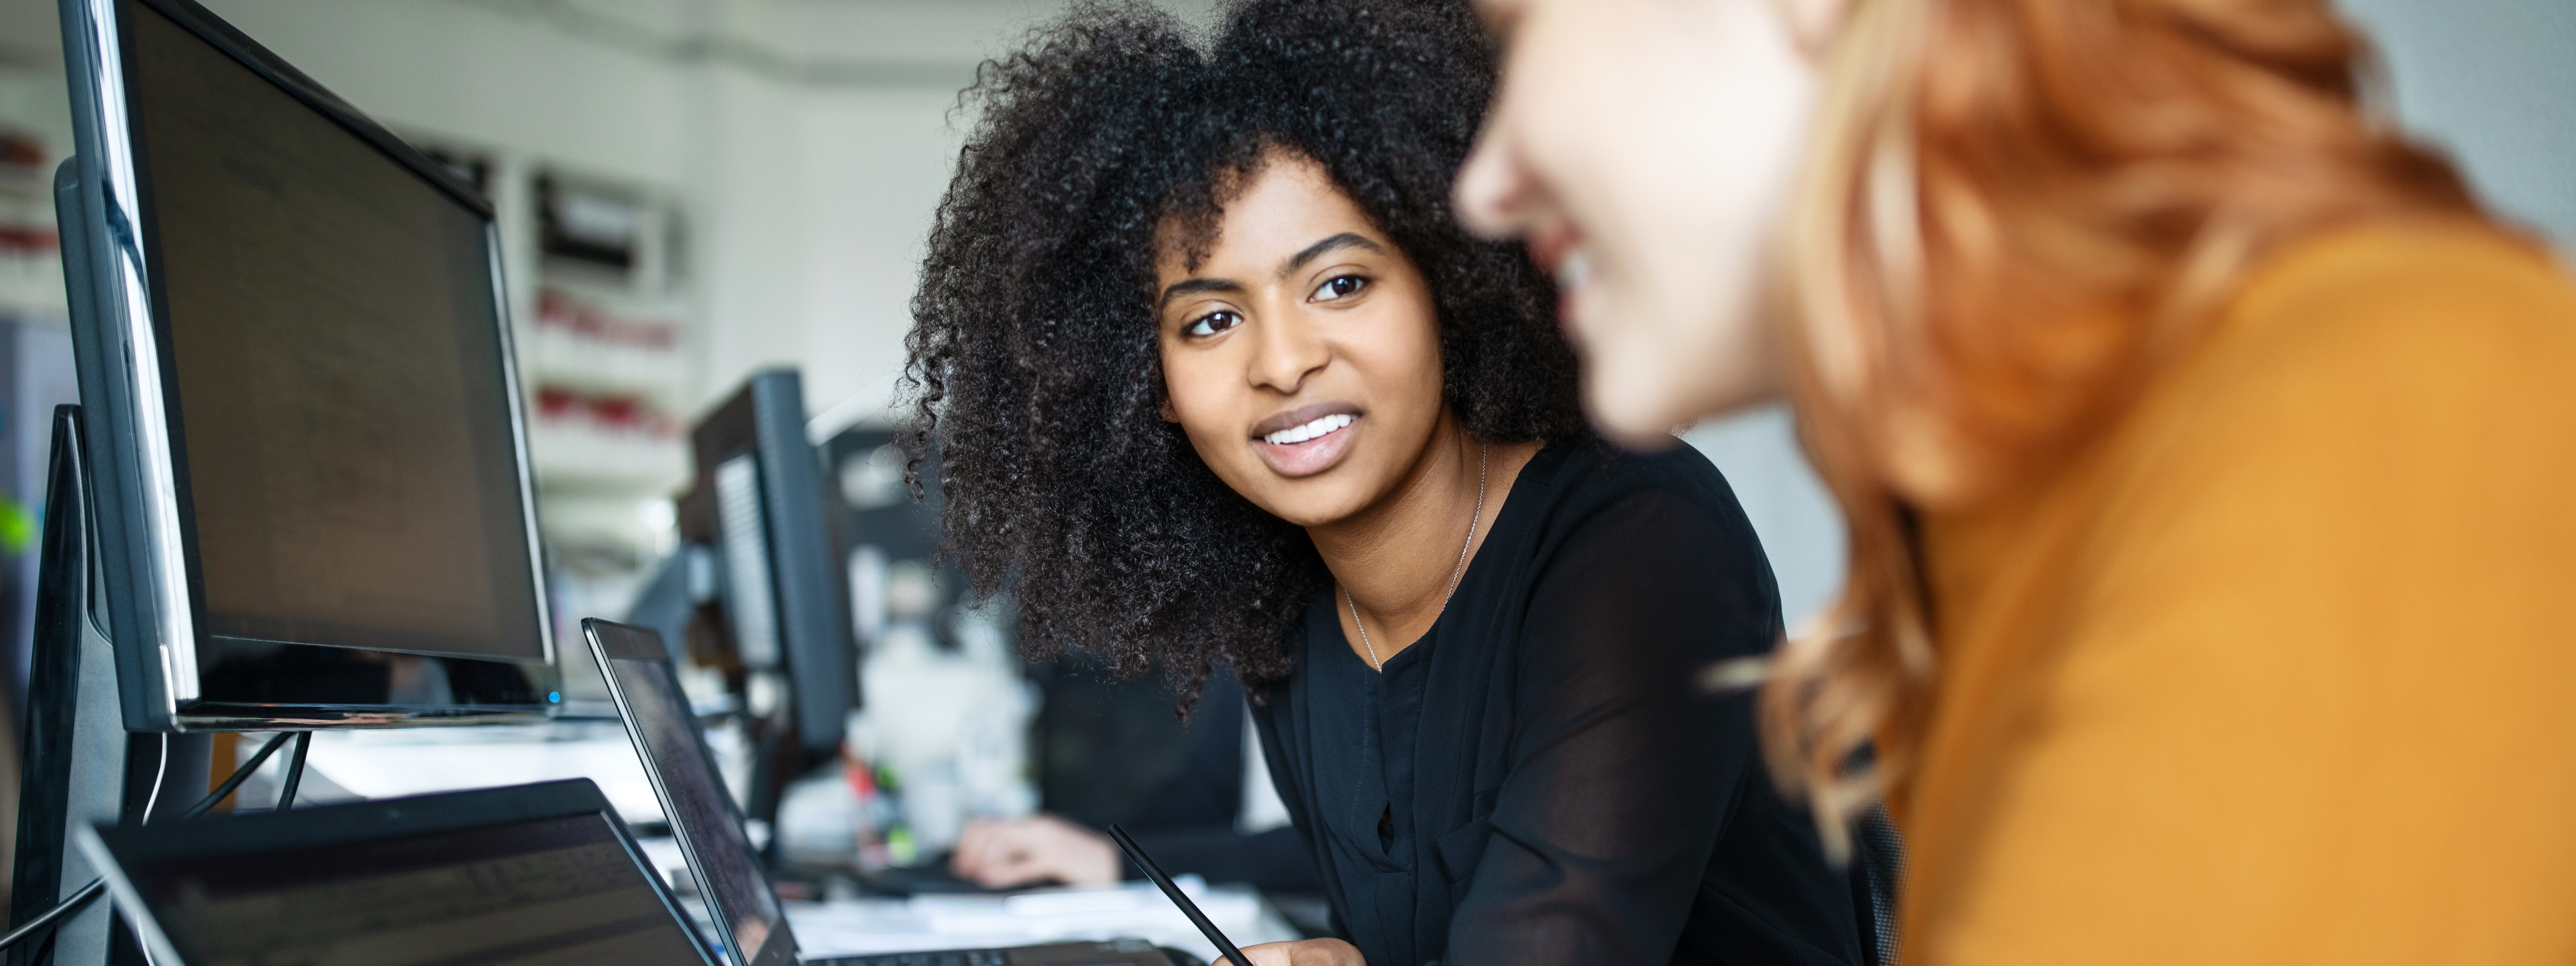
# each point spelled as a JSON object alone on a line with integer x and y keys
{"x": 864, "y": 927}
{"x": 392, "y": 764}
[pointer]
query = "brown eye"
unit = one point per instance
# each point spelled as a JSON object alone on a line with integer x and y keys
{"x": 1339, "y": 287}
{"x": 1211, "y": 324}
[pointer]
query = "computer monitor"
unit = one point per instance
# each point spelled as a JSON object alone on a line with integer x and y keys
{"x": 309, "y": 461}
{"x": 758, "y": 504}
{"x": 524, "y": 875}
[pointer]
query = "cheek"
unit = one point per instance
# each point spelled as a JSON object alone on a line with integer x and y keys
{"x": 1685, "y": 140}
{"x": 1401, "y": 356}
{"x": 1197, "y": 395}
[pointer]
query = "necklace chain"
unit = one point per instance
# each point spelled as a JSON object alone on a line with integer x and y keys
{"x": 1482, "y": 450}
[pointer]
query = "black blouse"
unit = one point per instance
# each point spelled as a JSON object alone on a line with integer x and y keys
{"x": 1541, "y": 779}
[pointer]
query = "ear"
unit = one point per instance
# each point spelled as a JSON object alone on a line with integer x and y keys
{"x": 1168, "y": 415}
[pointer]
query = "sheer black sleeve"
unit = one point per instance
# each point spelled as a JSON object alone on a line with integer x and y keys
{"x": 1624, "y": 773}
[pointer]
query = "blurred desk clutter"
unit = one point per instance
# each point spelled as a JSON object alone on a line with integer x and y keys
{"x": 860, "y": 926}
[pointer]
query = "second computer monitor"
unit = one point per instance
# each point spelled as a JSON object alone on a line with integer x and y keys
{"x": 784, "y": 596}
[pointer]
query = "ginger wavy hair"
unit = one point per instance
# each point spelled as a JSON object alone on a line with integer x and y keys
{"x": 2016, "y": 212}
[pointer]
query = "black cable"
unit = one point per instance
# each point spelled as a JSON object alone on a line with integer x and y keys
{"x": 55, "y": 914}
{"x": 285, "y": 800}
{"x": 294, "y": 770}
{"x": 240, "y": 775}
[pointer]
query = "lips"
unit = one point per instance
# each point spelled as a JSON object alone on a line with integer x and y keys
{"x": 1559, "y": 251}
{"x": 1308, "y": 439}
{"x": 1549, "y": 246}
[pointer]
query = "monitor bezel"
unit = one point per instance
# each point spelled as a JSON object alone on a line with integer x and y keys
{"x": 108, "y": 847}
{"x": 808, "y": 585}
{"x": 146, "y": 539}
{"x": 611, "y": 641}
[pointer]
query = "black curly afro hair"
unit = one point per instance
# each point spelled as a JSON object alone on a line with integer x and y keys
{"x": 1034, "y": 362}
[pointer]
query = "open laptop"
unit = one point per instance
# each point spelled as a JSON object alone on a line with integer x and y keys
{"x": 752, "y": 928}
{"x": 542, "y": 873}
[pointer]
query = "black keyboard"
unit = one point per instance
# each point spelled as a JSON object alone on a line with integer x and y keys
{"x": 945, "y": 957}
{"x": 1117, "y": 952}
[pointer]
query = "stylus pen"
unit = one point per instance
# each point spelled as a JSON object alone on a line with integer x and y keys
{"x": 1164, "y": 882}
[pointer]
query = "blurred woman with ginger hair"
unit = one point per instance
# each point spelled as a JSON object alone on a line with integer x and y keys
{"x": 2204, "y": 447}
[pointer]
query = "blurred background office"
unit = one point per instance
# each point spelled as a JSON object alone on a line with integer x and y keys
{"x": 690, "y": 191}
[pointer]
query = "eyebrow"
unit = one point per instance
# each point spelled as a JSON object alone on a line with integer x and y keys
{"x": 1319, "y": 249}
{"x": 1286, "y": 268}
{"x": 1197, "y": 285}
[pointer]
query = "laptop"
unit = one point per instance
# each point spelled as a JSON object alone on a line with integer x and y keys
{"x": 752, "y": 928}
{"x": 542, "y": 873}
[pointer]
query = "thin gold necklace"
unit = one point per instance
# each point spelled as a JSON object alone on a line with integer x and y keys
{"x": 1379, "y": 664}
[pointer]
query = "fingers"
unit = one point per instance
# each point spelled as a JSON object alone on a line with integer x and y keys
{"x": 968, "y": 859}
{"x": 991, "y": 854}
{"x": 1304, "y": 952}
{"x": 1013, "y": 871}
{"x": 1007, "y": 854}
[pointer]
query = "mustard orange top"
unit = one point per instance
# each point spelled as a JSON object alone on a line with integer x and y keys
{"x": 2282, "y": 669}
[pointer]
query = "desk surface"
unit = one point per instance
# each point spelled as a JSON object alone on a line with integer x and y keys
{"x": 863, "y": 926}
{"x": 389, "y": 764}
{"x": 396, "y": 763}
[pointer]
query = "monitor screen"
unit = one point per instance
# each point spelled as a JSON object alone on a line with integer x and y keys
{"x": 693, "y": 797}
{"x": 341, "y": 421}
{"x": 785, "y": 594}
{"x": 563, "y": 891}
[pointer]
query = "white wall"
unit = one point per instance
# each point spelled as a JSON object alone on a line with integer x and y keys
{"x": 2495, "y": 82}
{"x": 874, "y": 158}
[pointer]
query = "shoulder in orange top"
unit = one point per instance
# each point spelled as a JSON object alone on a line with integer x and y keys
{"x": 2283, "y": 668}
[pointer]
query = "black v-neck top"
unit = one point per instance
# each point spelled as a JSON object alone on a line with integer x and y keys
{"x": 1540, "y": 780}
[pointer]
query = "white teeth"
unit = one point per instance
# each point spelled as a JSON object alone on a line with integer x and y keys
{"x": 1300, "y": 434}
{"x": 1573, "y": 269}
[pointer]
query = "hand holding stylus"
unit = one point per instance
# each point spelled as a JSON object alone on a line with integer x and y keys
{"x": 1305, "y": 952}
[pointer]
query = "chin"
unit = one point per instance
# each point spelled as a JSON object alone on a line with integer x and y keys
{"x": 1313, "y": 504}
{"x": 1627, "y": 416}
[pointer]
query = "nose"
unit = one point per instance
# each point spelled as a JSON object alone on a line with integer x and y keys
{"x": 1287, "y": 349}
{"x": 1493, "y": 188}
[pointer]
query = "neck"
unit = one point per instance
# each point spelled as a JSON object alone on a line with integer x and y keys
{"x": 1395, "y": 559}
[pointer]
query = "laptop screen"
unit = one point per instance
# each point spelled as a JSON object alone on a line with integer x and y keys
{"x": 562, "y": 890}
{"x": 702, "y": 816}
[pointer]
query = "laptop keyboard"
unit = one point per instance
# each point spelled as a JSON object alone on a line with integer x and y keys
{"x": 946, "y": 957}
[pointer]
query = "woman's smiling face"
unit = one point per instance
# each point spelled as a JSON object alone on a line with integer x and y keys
{"x": 1643, "y": 149}
{"x": 1302, "y": 355}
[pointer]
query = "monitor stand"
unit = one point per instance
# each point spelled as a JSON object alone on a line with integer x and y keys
{"x": 81, "y": 765}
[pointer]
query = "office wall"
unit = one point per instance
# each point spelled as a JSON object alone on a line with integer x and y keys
{"x": 2494, "y": 82}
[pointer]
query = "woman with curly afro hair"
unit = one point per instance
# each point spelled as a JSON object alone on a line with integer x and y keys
{"x": 1219, "y": 381}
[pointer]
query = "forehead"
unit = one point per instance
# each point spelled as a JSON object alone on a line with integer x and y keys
{"x": 1274, "y": 211}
